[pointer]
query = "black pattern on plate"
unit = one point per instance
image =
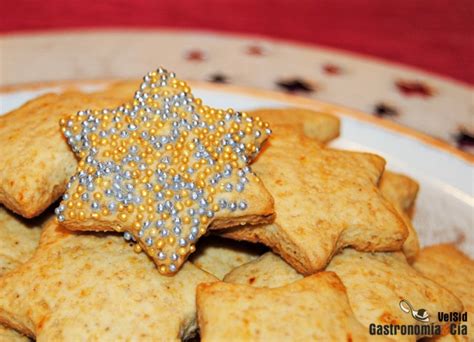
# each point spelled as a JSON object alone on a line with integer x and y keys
{"x": 384, "y": 110}
{"x": 295, "y": 85}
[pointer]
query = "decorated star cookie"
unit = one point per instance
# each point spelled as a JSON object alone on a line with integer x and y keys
{"x": 312, "y": 309}
{"x": 401, "y": 191}
{"x": 36, "y": 162}
{"x": 454, "y": 270}
{"x": 85, "y": 286}
{"x": 164, "y": 168}
{"x": 325, "y": 200}
{"x": 322, "y": 127}
{"x": 219, "y": 256}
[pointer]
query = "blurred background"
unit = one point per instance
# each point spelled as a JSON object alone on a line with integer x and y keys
{"x": 409, "y": 61}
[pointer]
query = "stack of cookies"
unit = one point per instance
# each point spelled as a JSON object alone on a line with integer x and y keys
{"x": 140, "y": 213}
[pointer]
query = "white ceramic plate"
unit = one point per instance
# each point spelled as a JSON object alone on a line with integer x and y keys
{"x": 444, "y": 209}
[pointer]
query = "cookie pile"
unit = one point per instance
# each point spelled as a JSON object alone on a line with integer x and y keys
{"x": 177, "y": 218}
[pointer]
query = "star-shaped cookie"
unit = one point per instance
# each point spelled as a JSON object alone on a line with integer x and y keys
{"x": 120, "y": 90}
{"x": 85, "y": 286}
{"x": 320, "y": 126}
{"x": 219, "y": 256}
{"x": 454, "y": 270}
{"x": 18, "y": 239}
{"x": 10, "y": 335}
{"x": 375, "y": 283}
{"x": 401, "y": 191}
{"x": 36, "y": 162}
{"x": 164, "y": 168}
{"x": 325, "y": 200}
{"x": 312, "y": 309}
{"x": 269, "y": 270}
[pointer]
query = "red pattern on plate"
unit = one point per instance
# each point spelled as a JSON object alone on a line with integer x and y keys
{"x": 195, "y": 56}
{"x": 255, "y": 50}
{"x": 332, "y": 69}
{"x": 414, "y": 88}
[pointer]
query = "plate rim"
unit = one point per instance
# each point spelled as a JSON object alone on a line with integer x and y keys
{"x": 295, "y": 100}
{"x": 257, "y": 37}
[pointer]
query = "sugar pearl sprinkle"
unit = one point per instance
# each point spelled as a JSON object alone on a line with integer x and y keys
{"x": 159, "y": 168}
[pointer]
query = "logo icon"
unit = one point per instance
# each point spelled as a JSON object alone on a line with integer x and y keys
{"x": 420, "y": 315}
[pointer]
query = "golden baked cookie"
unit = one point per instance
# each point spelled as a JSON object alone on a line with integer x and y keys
{"x": 84, "y": 286}
{"x": 454, "y": 270}
{"x": 10, "y": 335}
{"x": 122, "y": 90}
{"x": 219, "y": 256}
{"x": 325, "y": 200}
{"x": 401, "y": 191}
{"x": 18, "y": 241}
{"x": 312, "y": 309}
{"x": 320, "y": 126}
{"x": 36, "y": 160}
{"x": 269, "y": 270}
{"x": 375, "y": 283}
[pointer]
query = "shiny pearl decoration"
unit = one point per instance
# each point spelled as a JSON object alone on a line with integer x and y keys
{"x": 156, "y": 168}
